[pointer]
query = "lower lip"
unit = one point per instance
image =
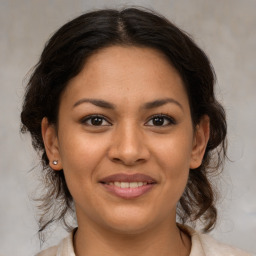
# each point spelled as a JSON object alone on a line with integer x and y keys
{"x": 129, "y": 193}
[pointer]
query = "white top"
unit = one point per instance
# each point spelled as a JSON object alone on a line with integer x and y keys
{"x": 201, "y": 245}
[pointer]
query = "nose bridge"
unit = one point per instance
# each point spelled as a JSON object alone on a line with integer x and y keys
{"x": 128, "y": 145}
{"x": 129, "y": 139}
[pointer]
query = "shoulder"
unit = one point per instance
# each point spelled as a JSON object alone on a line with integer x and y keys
{"x": 52, "y": 251}
{"x": 64, "y": 248}
{"x": 205, "y": 245}
{"x": 213, "y": 247}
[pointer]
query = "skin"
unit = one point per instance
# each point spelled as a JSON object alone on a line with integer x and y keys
{"x": 127, "y": 141}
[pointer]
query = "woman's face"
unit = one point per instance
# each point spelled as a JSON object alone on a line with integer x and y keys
{"x": 125, "y": 140}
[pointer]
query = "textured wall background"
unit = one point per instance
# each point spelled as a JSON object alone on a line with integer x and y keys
{"x": 225, "y": 29}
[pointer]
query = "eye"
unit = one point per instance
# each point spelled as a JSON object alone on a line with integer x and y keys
{"x": 95, "y": 120}
{"x": 160, "y": 120}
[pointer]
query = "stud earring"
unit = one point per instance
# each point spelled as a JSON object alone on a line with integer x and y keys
{"x": 55, "y": 162}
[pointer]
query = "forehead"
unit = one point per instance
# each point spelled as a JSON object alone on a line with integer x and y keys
{"x": 125, "y": 73}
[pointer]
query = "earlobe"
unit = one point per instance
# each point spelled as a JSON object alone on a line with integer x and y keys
{"x": 201, "y": 138}
{"x": 51, "y": 144}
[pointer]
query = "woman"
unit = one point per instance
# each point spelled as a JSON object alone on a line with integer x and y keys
{"x": 121, "y": 106}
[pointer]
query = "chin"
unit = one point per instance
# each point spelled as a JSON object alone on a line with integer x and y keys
{"x": 130, "y": 221}
{"x": 129, "y": 228}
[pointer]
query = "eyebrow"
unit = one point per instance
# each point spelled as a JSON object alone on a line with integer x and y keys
{"x": 161, "y": 102}
{"x": 96, "y": 102}
{"x": 108, "y": 105}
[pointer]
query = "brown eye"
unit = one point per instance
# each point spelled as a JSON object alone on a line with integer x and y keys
{"x": 160, "y": 120}
{"x": 95, "y": 120}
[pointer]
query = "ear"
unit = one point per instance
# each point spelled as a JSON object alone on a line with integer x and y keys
{"x": 201, "y": 138}
{"x": 51, "y": 144}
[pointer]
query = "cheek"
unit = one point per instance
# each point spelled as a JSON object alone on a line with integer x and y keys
{"x": 80, "y": 155}
{"x": 80, "y": 160}
{"x": 174, "y": 155}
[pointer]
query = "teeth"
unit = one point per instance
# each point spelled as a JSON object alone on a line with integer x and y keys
{"x": 134, "y": 184}
{"x": 127, "y": 184}
{"x": 124, "y": 185}
{"x": 117, "y": 183}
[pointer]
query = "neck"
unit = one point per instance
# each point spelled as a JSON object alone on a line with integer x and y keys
{"x": 163, "y": 240}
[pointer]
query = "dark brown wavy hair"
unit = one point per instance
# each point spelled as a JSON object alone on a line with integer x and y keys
{"x": 63, "y": 58}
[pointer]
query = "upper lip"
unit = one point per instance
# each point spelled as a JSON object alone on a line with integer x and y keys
{"x": 137, "y": 177}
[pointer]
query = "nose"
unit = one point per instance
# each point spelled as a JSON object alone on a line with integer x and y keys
{"x": 128, "y": 146}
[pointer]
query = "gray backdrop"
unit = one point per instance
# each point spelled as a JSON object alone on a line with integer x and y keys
{"x": 225, "y": 29}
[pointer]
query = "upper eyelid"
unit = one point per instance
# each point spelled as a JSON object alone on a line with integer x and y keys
{"x": 162, "y": 115}
{"x": 111, "y": 122}
{"x": 88, "y": 117}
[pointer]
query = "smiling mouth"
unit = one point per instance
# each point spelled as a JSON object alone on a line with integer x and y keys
{"x": 128, "y": 186}
{"x": 121, "y": 184}
{"x": 128, "y": 178}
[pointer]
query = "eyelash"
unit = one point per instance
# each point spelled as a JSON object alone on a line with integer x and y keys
{"x": 170, "y": 120}
{"x": 90, "y": 117}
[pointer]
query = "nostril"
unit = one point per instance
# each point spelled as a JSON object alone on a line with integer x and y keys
{"x": 127, "y": 156}
{"x": 117, "y": 160}
{"x": 128, "y": 162}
